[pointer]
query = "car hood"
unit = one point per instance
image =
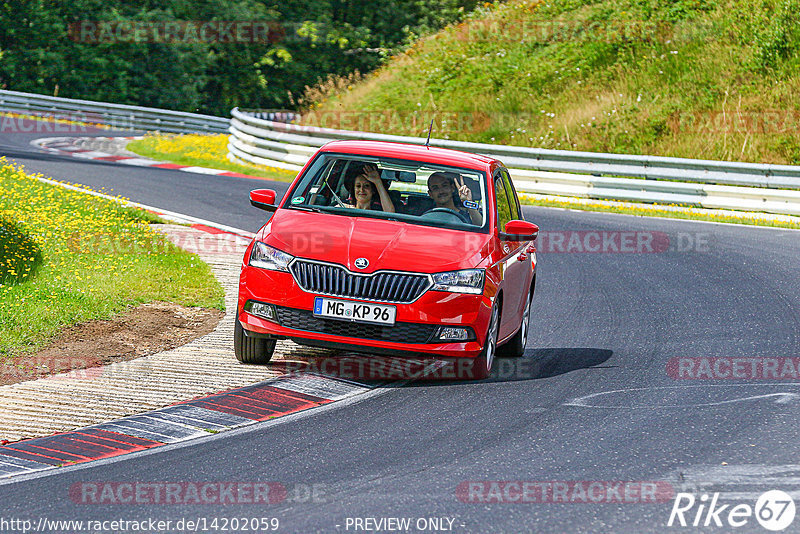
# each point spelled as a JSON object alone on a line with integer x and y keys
{"x": 385, "y": 244}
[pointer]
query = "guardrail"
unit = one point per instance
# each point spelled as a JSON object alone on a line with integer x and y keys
{"x": 651, "y": 179}
{"x": 117, "y": 116}
{"x": 263, "y": 137}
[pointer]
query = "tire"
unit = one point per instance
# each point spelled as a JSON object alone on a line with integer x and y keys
{"x": 515, "y": 347}
{"x": 483, "y": 363}
{"x": 251, "y": 349}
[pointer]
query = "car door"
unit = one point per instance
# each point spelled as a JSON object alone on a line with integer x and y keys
{"x": 526, "y": 255}
{"x": 516, "y": 260}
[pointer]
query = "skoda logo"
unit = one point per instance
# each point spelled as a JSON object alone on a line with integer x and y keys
{"x": 361, "y": 263}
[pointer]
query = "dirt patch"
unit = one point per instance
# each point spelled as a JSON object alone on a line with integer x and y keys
{"x": 141, "y": 331}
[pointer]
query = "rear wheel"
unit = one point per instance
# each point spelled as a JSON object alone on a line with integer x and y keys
{"x": 483, "y": 363}
{"x": 515, "y": 347}
{"x": 251, "y": 349}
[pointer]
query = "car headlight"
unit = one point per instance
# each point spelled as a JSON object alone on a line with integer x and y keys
{"x": 466, "y": 281}
{"x": 267, "y": 257}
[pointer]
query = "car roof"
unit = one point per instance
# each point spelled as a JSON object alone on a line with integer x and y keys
{"x": 443, "y": 156}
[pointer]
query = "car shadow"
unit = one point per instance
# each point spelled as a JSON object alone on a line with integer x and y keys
{"x": 550, "y": 362}
{"x": 536, "y": 364}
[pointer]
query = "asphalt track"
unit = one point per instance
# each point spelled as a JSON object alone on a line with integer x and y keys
{"x": 592, "y": 400}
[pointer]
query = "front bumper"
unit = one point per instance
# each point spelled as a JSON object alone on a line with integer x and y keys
{"x": 412, "y": 333}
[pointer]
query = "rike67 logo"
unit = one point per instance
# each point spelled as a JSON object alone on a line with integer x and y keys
{"x": 774, "y": 510}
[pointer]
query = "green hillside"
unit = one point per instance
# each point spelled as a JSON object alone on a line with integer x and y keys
{"x": 689, "y": 78}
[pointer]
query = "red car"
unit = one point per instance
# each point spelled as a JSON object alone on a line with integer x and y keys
{"x": 389, "y": 248}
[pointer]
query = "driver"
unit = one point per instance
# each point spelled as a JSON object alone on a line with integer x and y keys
{"x": 447, "y": 188}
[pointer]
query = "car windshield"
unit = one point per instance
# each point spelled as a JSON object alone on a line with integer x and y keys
{"x": 409, "y": 191}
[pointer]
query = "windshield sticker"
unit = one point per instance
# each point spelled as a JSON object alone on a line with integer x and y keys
{"x": 298, "y": 200}
{"x": 471, "y": 204}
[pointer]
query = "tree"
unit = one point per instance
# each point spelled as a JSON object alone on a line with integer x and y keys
{"x": 311, "y": 40}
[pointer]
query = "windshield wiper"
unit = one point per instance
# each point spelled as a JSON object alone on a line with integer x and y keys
{"x": 315, "y": 209}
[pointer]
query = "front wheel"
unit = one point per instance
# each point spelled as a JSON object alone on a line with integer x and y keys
{"x": 251, "y": 349}
{"x": 515, "y": 347}
{"x": 483, "y": 363}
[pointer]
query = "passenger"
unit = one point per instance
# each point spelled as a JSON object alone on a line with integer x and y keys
{"x": 367, "y": 190}
{"x": 447, "y": 188}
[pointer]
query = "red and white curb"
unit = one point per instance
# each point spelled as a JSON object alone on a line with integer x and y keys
{"x": 68, "y": 146}
{"x": 196, "y": 418}
{"x": 188, "y": 420}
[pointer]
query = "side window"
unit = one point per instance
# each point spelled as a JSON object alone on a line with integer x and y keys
{"x": 503, "y": 205}
{"x": 516, "y": 213}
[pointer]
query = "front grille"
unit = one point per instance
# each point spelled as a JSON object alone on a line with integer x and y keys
{"x": 399, "y": 332}
{"x": 337, "y": 281}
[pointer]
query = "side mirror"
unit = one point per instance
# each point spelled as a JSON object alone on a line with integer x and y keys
{"x": 520, "y": 231}
{"x": 263, "y": 199}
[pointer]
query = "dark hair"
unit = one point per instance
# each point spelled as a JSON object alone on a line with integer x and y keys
{"x": 356, "y": 169}
{"x": 449, "y": 176}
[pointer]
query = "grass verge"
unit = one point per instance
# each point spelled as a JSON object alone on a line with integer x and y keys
{"x": 685, "y": 78}
{"x": 201, "y": 151}
{"x": 657, "y": 210}
{"x": 69, "y": 257}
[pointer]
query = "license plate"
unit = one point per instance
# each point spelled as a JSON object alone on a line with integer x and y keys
{"x": 360, "y": 312}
